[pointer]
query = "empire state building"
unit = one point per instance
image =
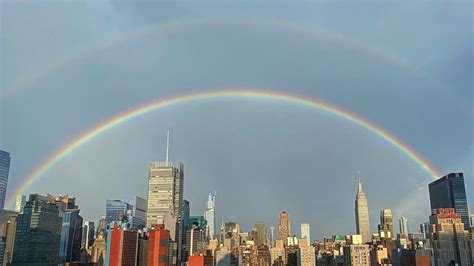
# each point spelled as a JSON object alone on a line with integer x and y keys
{"x": 362, "y": 215}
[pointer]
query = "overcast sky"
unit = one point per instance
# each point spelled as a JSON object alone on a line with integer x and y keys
{"x": 405, "y": 66}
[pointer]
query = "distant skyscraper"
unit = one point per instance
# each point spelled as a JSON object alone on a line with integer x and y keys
{"x": 272, "y": 236}
{"x": 305, "y": 233}
{"x": 403, "y": 224}
{"x": 449, "y": 192}
{"x": 362, "y": 214}
{"x": 88, "y": 231}
{"x": 138, "y": 214}
{"x": 199, "y": 220}
{"x": 284, "y": 226}
{"x": 116, "y": 210}
{"x": 20, "y": 201}
{"x": 210, "y": 215}
{"x": 261, "y": 233}
{"x": 386, "y": 224}
{"x": 4, "y": 170}
{"x": 38, "y": 232}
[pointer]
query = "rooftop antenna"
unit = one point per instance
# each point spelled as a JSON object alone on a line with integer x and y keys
{"x": 167, "y": 146}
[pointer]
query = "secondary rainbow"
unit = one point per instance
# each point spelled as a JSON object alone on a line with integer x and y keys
{"x": 102, "y": 128}
{"x": 192, "y": 25}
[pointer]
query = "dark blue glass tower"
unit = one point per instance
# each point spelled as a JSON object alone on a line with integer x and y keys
{"x": 449, "y": 192}
{"x": 4, "y": 170}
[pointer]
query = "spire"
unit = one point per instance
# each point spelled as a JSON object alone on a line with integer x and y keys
{"x": 359, "y": 187}
{"x": 167, "y": 146}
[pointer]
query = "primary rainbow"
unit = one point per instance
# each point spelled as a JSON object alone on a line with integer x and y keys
{"x": 63, "y": 152}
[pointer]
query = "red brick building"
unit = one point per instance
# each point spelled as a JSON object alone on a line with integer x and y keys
{"x": 158, "y": 246}
{"x": 123, "y": 247}
{"x": 201, "y": 260}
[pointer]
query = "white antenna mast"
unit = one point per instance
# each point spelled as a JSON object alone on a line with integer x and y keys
{"x": 167, "y": 146}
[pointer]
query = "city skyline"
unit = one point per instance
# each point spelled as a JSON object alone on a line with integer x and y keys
{"x": 388, "y": 107}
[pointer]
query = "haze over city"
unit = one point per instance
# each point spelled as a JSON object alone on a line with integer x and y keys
{"x": 303, "y": 101}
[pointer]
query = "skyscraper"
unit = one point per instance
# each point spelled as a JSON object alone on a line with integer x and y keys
{"x": 403, "y": 224}
{"x": 449, "y": 192}
{"x": 261, "y": 230}
{"x": 362, "y": 214}
{"x": 71, "y": 236}
{"x": 4, "y": 170}
{"x": 284, "y": 226}
{"x": 386, "y": 224}
{"x": 138, "y": 214}
{"x": 20, "y": 201}
{"x": 165, "y": 197}
{"x": 88, "y": 230}
{"x": 210, "y": 215}
{"x": 38, "y": 232}
{"x": 165, "y": 191}
{"x": 116, "y": 210}
{"x": 305, "y": 233}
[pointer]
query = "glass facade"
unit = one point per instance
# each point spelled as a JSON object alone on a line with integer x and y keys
{"x": 449, "y": 192}
{"x": 116, "y": 210}
{"x": 38, "y": 233}
{"x": 4, "y": 170}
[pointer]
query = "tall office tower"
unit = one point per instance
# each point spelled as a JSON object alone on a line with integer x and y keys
{"x": 362, "y": 214}
{"x": 122, "y": 247}
{"x": 4, "y": 170}
{"x": 116, "y": 210}
{"x": 305, "y": 233}
{"x": 165, "y": 197}
{"x": 88, "y": 231}
{"x": 138, "y": 213}
{"x": 210, "y": 215}
{"x": 261, "y": 230}
{"x": 403, "y": 224}
{"x": 449, "y": 192}
{"x": 165, "y": 192}
{"x": 71, "y": 236}
{"x": 20, "y": 201}
{"x": 284, "y": 226}
{"x": 158, "y": 246}
{"x": 71, "y": 228}
{"x": 38, "y": 232}
{"x": 187, "y": 216}
{"x": 185, "y": 226}
{"x": 386, "y": 224}
{"x": 450, "y": 240}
